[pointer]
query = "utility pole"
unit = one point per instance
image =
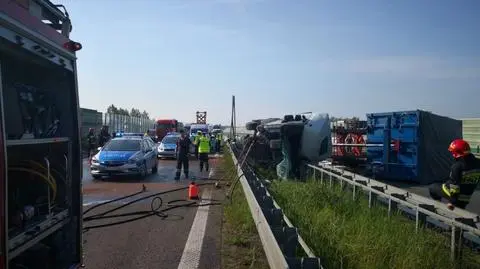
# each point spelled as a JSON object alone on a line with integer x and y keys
{"x": 233, "y": 122}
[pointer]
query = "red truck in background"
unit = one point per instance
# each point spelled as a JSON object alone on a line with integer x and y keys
{"x": 164, "y": 126}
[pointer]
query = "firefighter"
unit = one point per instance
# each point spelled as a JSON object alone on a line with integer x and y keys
{"x": 203, "y": 150}
{"x": 463, "y": 179}
{"x": 183, "y": 144}
{"x": 92, "y": 142}
{"x": 196, "y": 141}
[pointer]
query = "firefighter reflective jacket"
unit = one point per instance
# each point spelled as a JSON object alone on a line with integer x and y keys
{"x": 464, "y": 178}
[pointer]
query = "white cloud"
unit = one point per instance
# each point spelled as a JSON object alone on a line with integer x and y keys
{"x": 413, "y": 66}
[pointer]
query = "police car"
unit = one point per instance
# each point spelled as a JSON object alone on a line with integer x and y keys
{"x": 126, "y": 154}
{"x": 167, "y": 148}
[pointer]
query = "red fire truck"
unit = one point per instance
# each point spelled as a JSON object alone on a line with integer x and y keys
{"x": 164, "y": 126}
{"x": 40, "y": 157}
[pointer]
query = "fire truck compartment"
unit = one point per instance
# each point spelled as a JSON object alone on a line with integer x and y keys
{"x": 40, "y": 142}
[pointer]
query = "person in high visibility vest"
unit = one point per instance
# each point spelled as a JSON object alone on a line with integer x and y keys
{"x": 203, "y": 150}
{"x": 219, "y": 141}
{"x": 463, "y": 179}
{"x": 196, "y": 141}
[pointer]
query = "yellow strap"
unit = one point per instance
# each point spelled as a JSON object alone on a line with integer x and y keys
{"x": 451, "y": 190}
{"x": 446, "y": 190}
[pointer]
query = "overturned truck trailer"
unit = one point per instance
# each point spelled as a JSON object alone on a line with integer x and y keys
{"x": 290, "y": 142}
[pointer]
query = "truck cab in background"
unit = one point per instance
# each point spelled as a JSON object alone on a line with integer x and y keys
{"x": 164, "y": 126}
{"x": 40, "y": 153}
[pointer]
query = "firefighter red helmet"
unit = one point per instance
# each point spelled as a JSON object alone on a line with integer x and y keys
{"x": 459, "y": 148}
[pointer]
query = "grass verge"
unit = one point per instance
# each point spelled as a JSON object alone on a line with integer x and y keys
{"x": 241, "y": 245}
{"x": 348, "y": 234}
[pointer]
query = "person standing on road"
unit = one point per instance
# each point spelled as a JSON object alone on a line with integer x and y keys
{"x": 92, "y": 143}
{"x": 219, "y": 141}
{"x": 463, "y": 179}
{"x": 104, "y": 136}
{"x": 196, "y": 142}
{"x": 183, "y": 144}
{"x": 203, "y": 151}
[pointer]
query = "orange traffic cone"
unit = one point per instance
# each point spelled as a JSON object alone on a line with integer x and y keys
{"x": 193, "y": 191}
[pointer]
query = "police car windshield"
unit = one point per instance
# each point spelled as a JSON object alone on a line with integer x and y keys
{"x": 194, "y": 131}
{"x": 123, "y": 145}
{"x": 169, "y": 140}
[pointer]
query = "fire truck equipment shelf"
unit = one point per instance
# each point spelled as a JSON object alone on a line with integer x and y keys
{"x": 35, "y": 233}
{"x": 19, "y": 142}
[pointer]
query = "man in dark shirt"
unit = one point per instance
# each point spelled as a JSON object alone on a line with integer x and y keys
{"x": 463, "y": 179}
{"x": 103, "y": 136}
{"x": 183, "y": 145}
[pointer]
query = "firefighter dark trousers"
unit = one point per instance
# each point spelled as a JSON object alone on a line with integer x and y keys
{"x": 437, "y": 193}
{"x": 182, "y": 161}
{"x": 203, "y": 160}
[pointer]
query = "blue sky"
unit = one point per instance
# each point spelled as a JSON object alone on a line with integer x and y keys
{"x": 346, "y": 58}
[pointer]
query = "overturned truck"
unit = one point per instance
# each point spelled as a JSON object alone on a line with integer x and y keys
{"x": 287, "y": 144}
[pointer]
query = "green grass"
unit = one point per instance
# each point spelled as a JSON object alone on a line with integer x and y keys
{"x": 241, "y": 246}
{"x": 345, "y": 233}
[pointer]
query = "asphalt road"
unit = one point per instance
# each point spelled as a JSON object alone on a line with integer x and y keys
{"x": 153, "y": 242}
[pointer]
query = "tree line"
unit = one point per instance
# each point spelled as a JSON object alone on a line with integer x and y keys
{"x": 134, "y": 112}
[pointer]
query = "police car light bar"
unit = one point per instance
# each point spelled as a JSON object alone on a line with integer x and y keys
{"x": 133, "y": 134}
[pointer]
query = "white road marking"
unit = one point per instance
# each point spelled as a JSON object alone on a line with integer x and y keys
{"x": 210, "y": 174}
{"x": 193, "y": 248}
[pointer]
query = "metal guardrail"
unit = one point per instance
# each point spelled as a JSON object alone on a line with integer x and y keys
{"x": 280, "y": 239}
{"x": 461, "y": 223}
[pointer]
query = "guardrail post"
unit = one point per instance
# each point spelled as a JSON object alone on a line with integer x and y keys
{"x": 420, "y": 217}
{"x": 393, "y": 205}
{"x": 266, "y": 202}
{"x": 453, "y": 243}
{"x": 372, "y": 197}
{"x": 304, "y": 263}
{"x": 354, "y": 189}
{"x": 274, "y": 216}
{"x": 287, "y": 238}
